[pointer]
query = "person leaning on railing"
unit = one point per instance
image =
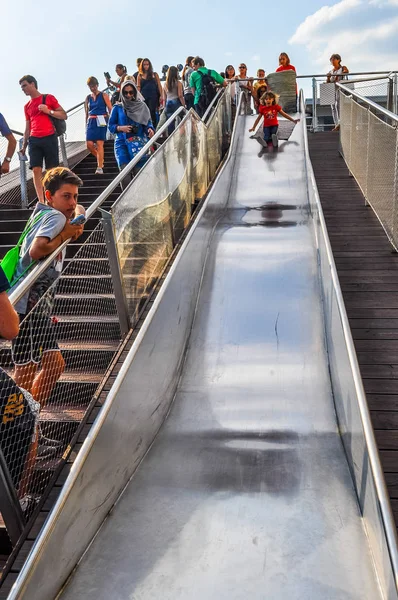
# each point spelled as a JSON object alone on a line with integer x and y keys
{"x": 338, "y": 73}
{"x": 7, "y": 133}
{"x": 36, "y": 344}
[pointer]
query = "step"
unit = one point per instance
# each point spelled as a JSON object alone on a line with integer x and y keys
{"x": 100, "y": 266}
{"x": 15, "y": 214}
{"x": 88, "y": 356}
{"x": 88, "y": 327}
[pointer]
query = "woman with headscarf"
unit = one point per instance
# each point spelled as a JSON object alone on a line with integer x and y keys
{"x": 130, "y": 121}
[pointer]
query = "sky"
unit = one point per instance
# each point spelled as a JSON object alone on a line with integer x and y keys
{"x": 62, "y": 49}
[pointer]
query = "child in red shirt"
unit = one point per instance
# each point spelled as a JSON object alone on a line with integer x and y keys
{"x": 269, "y": 109}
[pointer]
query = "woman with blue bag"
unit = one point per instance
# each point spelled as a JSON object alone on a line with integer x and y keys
{"x": 130, "y": 121}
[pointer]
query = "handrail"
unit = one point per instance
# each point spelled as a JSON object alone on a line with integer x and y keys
{"x": 374, "y": 459}
{"x": 351, "y": 74}
{"x": 369, "y": 102}
{"x": 24, "y": 286}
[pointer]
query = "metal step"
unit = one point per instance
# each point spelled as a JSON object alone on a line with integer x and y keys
{"x": 91, "y": 357}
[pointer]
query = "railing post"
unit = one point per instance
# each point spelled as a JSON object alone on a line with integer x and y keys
{"x": 314, "y": 108}
{"x": 390, "y": 93}
{"x": 63, "y": 150}
{"x": 395, "y": 94}
{"x": 116, "y": 273}
{"x": 10, "y": 508}
{"x": 22, "y": 177}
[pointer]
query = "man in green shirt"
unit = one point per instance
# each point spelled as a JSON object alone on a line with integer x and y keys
{"x": 196, "y": 82}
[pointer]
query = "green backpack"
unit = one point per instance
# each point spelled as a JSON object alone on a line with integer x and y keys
{"x": 10, "y": 261}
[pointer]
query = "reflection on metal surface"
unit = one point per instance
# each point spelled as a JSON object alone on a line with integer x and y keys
{"x": 248, "y": 475}
{"x": 246, "y": 491}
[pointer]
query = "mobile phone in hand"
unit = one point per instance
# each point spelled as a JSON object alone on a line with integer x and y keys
{"x": 79, "y": 220}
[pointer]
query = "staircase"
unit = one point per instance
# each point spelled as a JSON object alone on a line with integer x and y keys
{"x": 88, "y": 327}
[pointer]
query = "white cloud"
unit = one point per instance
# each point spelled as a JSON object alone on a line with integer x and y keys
{"x": 366, "y": 37}
{"x": 311, "y": 25}
{"x": 255, "y": 57}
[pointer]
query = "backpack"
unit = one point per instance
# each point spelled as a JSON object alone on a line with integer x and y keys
{"x": 10, "y": 260}
{"x": 208, "y": 90}
{"x": 59, "y": 124}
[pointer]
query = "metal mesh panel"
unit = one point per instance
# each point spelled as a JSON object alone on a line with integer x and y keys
{"x": 346, "y": 126}
{"x": 63, "y": 350}
{"x": 9, "y": 184}
{"x": 382, "y": 171}
{"x": 359, "y": 142}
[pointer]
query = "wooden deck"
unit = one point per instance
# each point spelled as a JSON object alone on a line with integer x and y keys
{"x": 368, "y": 271}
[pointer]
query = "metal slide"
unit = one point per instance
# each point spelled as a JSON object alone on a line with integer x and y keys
{"x": 246, "y": 492}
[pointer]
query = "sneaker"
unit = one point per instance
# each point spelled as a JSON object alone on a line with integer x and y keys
{"x": 274, "y": 140}
{"x": 99, "y": 171}
{"x": 28, "y": 504}
{"x": 45, "y": 441}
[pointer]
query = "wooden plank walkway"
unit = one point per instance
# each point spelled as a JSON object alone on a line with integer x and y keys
{"x": 368, "y": 271}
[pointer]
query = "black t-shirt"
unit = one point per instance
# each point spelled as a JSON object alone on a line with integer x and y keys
{"x": 4, "y": 285}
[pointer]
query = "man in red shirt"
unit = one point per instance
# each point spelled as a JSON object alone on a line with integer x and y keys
{"x": 40, "y": 131}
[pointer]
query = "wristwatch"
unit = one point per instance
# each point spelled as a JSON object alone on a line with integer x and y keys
{"x": 51, "y": 112}
{"x": 7, "y": 158}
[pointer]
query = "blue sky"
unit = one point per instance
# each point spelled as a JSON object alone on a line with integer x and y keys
{"x": 63, "y": 48}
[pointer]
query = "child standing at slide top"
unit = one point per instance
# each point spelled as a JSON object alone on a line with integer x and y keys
{"x": 269, "y": 109}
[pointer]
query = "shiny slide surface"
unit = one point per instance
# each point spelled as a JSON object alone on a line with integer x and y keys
{"x": 246, "y": 491}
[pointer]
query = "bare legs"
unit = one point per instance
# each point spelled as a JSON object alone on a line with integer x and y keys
{"x": 97, "y": 150}
{"x": 37, "y": 180}
{"x": 41, "y": 384}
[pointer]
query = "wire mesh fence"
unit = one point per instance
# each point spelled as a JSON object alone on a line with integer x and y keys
{"x": 64, "y": 347}
{"x": 51, "y": 374}
{"x": 369, "y": 145}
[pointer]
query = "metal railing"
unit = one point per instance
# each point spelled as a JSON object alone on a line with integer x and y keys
{"x": 87, "y": 313}
{"x": 352, "y": 409}
{"x": 369, "y": 145}
{"x": 382, "y": 86}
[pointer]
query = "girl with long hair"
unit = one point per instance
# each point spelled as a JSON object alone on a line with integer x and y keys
{"x": 269, "y": 109}
{"x": 148, "y": 83}
{"x": 185, "y": 76}
{"x": 173, "y": 96}
{"x": 284, "y": 63}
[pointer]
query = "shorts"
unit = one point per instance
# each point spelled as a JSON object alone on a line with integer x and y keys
{"x": 37, "y": 335}
{"x": 43, "y": 148}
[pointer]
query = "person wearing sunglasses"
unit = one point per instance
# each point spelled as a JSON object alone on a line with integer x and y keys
{"x": 130, "y": 122}
{"x": 245, "y": 85}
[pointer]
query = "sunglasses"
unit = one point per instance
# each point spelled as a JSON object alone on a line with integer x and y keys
{"x": 243, "y": 67}
{"x": 127, "y": 93}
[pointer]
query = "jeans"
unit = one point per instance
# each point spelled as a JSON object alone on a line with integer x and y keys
{"x": 269, "y": 131}
{"x": 170, "y": 109}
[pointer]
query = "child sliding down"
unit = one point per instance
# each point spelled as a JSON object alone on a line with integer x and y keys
{"x": 269, "y": 109}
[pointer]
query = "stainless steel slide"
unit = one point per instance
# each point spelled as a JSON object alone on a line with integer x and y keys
{"x": 246, "y": 492}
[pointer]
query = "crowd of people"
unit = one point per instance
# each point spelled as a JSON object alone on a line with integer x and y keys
{"x": 131, "y": 115}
